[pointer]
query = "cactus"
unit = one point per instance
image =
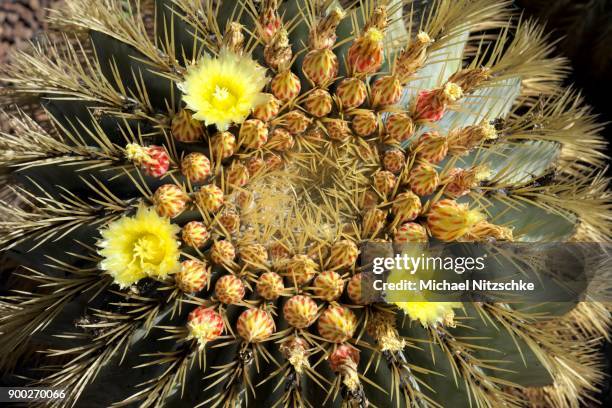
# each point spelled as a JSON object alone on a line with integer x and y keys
{"x": 181, "y": 224}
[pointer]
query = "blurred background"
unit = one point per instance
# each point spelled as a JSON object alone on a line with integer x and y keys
{"x": 582, "y": 29}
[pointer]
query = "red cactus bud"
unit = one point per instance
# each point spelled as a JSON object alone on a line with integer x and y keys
{"x": 267, "y": 110}
{"x": 366, "y": 54}
{"x": 365, "y": 122}
{"x": 337, "y": 324}
{"x": 394, "y": 160}
{"x": 210, "y": 198}
{"x": 204, "y": 325}
{"x": 328, "y": 286}
{"x": 223, "y": 145}
{"x": 222, "y": 252}
{"x": 255, "y": 325}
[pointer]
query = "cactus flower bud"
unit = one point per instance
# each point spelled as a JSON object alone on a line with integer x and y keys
{"x": 267, "y": 110}
{"x": 448, "y": 221}
{"x": 285, "y": 85}
{"x": 277, "y": 52}
{"x": 343, "y": 254}
{"x": 193, "y": 276}
{"x": 432, "y": 147}
{"x": 364, "y": 122}
{"x": 154, "y": 160}
{"x": 170, "y": 200}
{"x": 320, "y": 66}
{"x": 295, "y": 121}
{"x": 280, "y": 140}
{"x": 237, "y": 175}
{"x": 319, "y": 103}
{"x": 406, "y": 207}
{"x": 423, "y": 179}
{"x": 384, "y": 182}
{"x": 328, "y": 286}
{"x": 460, "y": 181}
{"x": 373, "y": 221}
{"x": 255, "y": 325}
{"x": 195, "y": 234}
{"x": 462, "y": 140}
{"x": 185, "y": 128}
{"x": 366, "y": 53}
{"x": 210, "y": 198}
{"x": 337, "y": 129}
{"x": 229, "y": 289}
{"x": 223, "y": 145}
{"x": 253, "y": 134}
{"x": 300, "y": 311}
{"x": 222, "y": 252}
{"x": 196, "y": 167}
{"x": 359, "y": 289}
{"x": 399, "y": 127}
{"x": 351, "y": 92}
{"x": 230, "y": 220}
{"x": 300, "y": 269}
{"x": 431, "y": 105}
{"x": 393, "y": 160}
{"x": 337, "y": 324}
{"x": 254, "y": 254}
{"x": 270, "y": 286}
{"x": 386, "y": 91}
{"x": 204, "y": 325}
{"x": 410, "y": 233}
{"x": 342, "y": 356}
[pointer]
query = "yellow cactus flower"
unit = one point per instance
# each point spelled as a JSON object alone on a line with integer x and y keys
{"x": 223, "y": 90}
{"x": 139, "y": 246}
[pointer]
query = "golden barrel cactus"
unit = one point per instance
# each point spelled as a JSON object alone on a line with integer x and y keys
{"x": 182, "y": 223}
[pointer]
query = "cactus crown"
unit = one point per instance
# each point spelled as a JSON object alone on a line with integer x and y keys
{"x": 203, "y": 173}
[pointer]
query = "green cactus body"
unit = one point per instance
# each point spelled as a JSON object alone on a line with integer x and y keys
{"x": 181, "y": 223}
